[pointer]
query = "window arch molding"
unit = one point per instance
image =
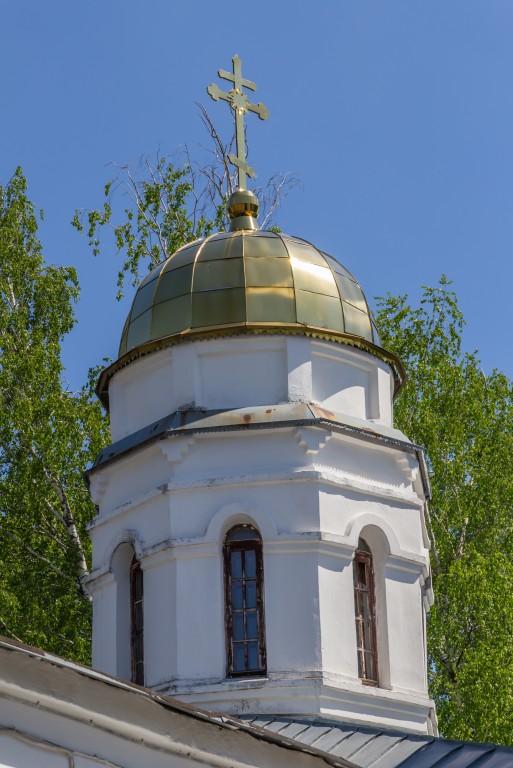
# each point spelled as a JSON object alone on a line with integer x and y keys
{"x": 244, "y": 601}
{"x": 375, "y": 531}
{"x": 242, "y": 513}
{"x": 129, "y": 537}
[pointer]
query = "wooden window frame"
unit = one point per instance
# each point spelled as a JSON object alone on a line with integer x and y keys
{"x": 244, "y": 545}
{"x": 366, "y": 643}
{"x": 137, "y": 622}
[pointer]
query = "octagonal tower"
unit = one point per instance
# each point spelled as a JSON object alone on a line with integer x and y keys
{"x": 260, "y": 544}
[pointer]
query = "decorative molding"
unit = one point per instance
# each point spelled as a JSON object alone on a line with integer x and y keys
{"x": 177, "y": 549}
{"x": 312, "y": 439}
{"x": 98, "y": 483}
{"x": 365, "y": 484}
{"x": 409, "y": 466}
{"x": 126, "y": 536}
{"x": 398, "y": 558}
{"x": 176, "y": 449}
{"x": 322, "y": 474}
{"x": 99, "y": 579}
{"x": 109, "y": 515}
{"x": 240, "y": 512}
{"x": 408, "y": 562}
{"x": 313, "y": 543}
{"x": 308, "y": 693}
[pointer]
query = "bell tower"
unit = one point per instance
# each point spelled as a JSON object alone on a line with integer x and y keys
{"x": 260, "y": 545}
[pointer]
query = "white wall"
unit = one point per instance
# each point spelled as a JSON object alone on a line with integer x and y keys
{"x": 311, "y": 493}
{"x": 250, "y": 371}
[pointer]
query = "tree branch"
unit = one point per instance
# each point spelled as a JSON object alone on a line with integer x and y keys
{"x": 44, "y": 559}
{"x": 66, "y": 517}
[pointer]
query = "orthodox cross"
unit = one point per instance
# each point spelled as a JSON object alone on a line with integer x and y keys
{"x": 240, "y": 104}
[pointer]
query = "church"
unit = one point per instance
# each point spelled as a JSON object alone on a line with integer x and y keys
{"x": 261, "y": 577}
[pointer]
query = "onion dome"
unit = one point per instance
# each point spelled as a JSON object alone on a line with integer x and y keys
{"x": 248, "y": 281}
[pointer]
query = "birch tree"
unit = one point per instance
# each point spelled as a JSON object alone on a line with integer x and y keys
{"x": 464, "y": 418}
{"x": 169, "y": 202}
{"x": 48, "y": 435}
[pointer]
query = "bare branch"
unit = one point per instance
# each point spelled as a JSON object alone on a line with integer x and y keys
{"x": 207, "y": 122}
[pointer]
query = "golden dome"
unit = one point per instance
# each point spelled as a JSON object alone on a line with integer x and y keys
{"x": 248, "y": 281}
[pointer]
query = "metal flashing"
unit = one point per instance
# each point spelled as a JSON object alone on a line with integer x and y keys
{"x": 194, "y": 421}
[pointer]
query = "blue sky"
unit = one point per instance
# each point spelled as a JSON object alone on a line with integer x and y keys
{"x": 395, "y": 115}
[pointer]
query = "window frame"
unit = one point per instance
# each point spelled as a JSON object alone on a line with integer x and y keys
{"x": 363, "y": 555}
{"x": 136, "y": 622}
{"x": 244, "y": 545}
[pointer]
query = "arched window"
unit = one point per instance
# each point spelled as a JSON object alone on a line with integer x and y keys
{"x": 365, "y": 614}
{"x": 137, "y": 621}
{"x": 244, "y": 609}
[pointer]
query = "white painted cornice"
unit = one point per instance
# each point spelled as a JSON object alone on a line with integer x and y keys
{"x": 330, "y": 475}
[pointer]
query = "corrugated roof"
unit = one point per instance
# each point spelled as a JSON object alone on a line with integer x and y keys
{"x": 377, "y": 748}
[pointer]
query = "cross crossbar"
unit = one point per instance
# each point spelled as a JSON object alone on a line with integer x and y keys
{"x": 240, "y": 104}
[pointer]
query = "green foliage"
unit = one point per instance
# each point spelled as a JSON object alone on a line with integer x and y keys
{"x": 464, "y": 419}
{"x": 165, "y": 212}
{"x": 171, "y": 204}
{"x": 48, "y": 436}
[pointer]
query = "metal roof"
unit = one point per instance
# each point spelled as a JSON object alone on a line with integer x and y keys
{"x": 248, "y": 282}
{"x": 378, "y": 748}
{"x": 193, "y": 421}
{"x": 340, "y": 745}
{"x": 249, "y": 277}
{"x": 93, "y": 695}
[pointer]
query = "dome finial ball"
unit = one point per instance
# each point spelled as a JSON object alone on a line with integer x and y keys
{"x": 243, "y": 210}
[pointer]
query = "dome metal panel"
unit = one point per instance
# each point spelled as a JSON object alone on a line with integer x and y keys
{"x": 247, "y": 277}
{"x": 248, "y": 281}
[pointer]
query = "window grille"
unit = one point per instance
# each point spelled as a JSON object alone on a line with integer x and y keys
{"x": 365, "y": 615}
{"x": 245, "y": 635}
{"x": 137, "y": 622}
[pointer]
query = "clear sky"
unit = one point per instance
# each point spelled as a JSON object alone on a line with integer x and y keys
{"x": 396, "y": 116}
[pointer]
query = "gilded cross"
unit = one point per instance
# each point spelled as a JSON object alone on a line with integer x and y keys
{"x": 240, "y": 104}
